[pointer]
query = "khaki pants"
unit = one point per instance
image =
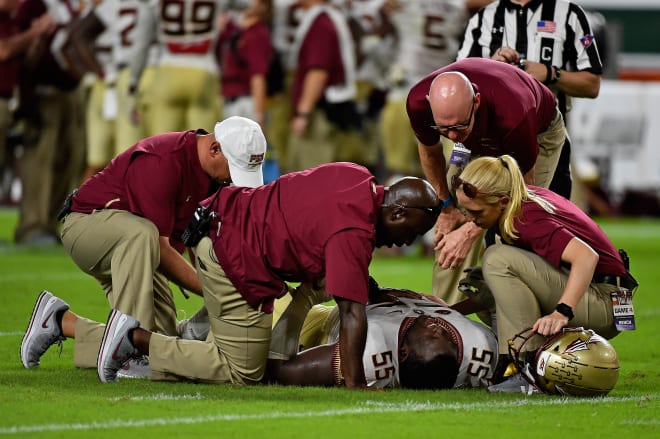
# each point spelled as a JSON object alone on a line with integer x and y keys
{"x": 526, "y": 287}
{"x": 318, "y": 145}
{"x": 184, "y": 98}
{"x": 399, "y": 143}
{"x": 236, "y": 348}
{"x": 53, "y": 165}
{"x": 122, "y": 252}
{"x": 551, "y": 143}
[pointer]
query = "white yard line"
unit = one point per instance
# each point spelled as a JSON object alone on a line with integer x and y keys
{"x": 369, "y": 407}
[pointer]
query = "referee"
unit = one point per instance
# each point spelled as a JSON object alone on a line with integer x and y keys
{"x": 552, "y": 40}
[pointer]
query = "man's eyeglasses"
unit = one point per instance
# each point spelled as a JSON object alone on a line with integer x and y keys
{"x": 444, "y": 129}
{"x": 435, "y": 210}
{"x": 469, "y": 189}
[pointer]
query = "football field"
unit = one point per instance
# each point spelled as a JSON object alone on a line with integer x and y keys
{"x": 58, "y": 400}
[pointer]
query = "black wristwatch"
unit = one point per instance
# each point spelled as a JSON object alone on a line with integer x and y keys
{"x": 557, "y": 74}
{"x": 565, "y": 310}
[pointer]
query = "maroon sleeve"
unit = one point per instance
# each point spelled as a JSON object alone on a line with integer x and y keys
{"x": 321, "y": 46}
{"x": 258, "y": 50}
{"x": 347, "y": 257}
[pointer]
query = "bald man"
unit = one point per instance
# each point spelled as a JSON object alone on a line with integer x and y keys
{"x": 491, "y": 109}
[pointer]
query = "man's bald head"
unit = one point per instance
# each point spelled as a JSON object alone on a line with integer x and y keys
{"x": 450, "y": 96}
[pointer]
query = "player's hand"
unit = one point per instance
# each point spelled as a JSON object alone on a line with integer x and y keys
{"x": 299, "y": 124}
{"x": 453, "y": 249}
{"x": 550, "y": 324}
{"x": 132, "y": 108}
{"x": 448, "y": 220}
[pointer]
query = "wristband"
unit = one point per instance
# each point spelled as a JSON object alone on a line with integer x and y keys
{"x": 565, "y": 310}
{"x": 445, "y": 203}
{"x": 557, "y": 74}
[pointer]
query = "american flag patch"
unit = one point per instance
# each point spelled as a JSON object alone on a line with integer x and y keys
{"x": 546, "y": 26}
{"x": 587, "y": 40}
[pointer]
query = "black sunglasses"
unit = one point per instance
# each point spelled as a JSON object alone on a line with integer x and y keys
{"x": 469, "y": 189}
{"x": 460, "y": 127}
{"x": 435, "y": 210}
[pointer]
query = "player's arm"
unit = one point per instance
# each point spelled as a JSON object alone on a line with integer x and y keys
{"x": 176, "y": 268}
{"x": 19, "y": 43}
{"x": 144, "y": 35}
{"x": 352, "y": 340}
{"x": 78, "y": 50}
{"x": 312, "y": 367}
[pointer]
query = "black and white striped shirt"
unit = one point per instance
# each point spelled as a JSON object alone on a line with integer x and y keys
{"x": 552, "y": 32}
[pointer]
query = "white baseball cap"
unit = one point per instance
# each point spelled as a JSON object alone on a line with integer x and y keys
{"x": 244, "y": 145}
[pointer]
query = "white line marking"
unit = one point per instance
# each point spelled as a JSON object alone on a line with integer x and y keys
{"x": 21, "y": 277}
{"x": 11, "y": 333}
{"x": 158, "y": 397}
{"x": 375, "y": 407}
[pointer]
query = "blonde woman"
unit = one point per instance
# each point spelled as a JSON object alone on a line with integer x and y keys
{"x": 554, "y": 266}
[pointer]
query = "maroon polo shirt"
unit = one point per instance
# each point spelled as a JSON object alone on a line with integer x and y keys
{"x": 8, "y": 68}
{"x": 319, "y": 50}
{"x": 251, "y": 56}
{"x": 47, "y": 71}
{"x": 307, "y": 225}
{"x": 514, "y": 109}
{"x": 547, "y": 235}
{"x": 159, "y": 178}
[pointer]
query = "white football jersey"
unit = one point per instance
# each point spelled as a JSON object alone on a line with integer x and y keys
{"x": 477, "y": 345}
{"x": 187, "y": 31}
{"x": 429, "y": 32}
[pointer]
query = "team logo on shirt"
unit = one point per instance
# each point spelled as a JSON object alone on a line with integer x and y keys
{"x": 587, "y": 40}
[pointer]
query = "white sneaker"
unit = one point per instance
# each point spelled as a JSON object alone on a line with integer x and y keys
{"x": 42, "y": 331}
{"x": 195, "y": 328}
{"x": 116, "y": 348}
{"x": 135, "y": 368}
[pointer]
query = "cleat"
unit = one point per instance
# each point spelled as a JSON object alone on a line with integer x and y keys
{"x": 516, "y": 383}
{"x": 116, "y": 348}
{"x": 135, "y": 368}
{"x": 43, "y": 330}
{"x": 196, "y": 327}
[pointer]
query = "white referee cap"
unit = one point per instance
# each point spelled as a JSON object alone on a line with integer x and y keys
{"x": 244, "y": 145}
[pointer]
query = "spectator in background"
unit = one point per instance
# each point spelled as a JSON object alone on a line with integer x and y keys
{"x": 245, "y": 55}
{"x": 14, "y": 42}
{"x": 325, "y": 117}
{"x": 553, "y": 41}
{"x": 185, "y": 89}
{"x": 244, "y": 52}
{"x": 52, "y": 109}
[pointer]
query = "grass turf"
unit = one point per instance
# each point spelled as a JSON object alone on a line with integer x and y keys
{"x": 57, "y": 400}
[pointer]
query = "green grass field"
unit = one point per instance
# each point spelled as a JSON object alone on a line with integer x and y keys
{"x": 57, "y": 400}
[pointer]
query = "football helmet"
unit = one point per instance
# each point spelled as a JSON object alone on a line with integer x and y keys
{"x": 575, "y": 361}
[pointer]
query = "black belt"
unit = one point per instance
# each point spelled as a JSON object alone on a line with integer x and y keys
{"x": 627, "y": 281}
